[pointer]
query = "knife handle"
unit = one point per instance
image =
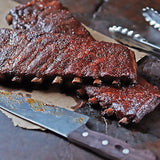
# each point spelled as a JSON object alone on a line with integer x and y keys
{"x": 108, "y": 146}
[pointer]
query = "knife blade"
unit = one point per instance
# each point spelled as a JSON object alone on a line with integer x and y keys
{"x": 132, "y": 39}
{"x": 71, "y": 125}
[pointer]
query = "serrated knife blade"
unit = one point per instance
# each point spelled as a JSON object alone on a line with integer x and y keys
{"x": 72, "y": 126}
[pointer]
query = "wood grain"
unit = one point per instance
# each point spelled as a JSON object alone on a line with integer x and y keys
{"x": 107, "y": 146}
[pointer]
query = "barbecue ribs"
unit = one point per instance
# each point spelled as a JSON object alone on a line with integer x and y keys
{"x": 129, "y": 104}
{"x": 46, "y": 16}
{"x": 88, "y": 58}
{"x": 48, "y": 43}
{"x": 39, "y": 56}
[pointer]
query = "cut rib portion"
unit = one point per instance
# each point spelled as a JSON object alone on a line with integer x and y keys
{"x": 47, "y": 55}
{"x": 46, "y": 16}
{"x": 130, "y": 104}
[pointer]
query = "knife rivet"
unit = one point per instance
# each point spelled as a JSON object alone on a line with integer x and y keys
{"x": 125, "y": 151}
{"x": 105, "y": 142}
{"x": 85, "y": 134}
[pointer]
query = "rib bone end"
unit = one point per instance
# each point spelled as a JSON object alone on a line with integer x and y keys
{"x": 97, "y": 82}
{"x": 93, "y": 100}
{"x": 57, "y": 80}
{"x": 108, "y": 112}
{"x": 124, "y": 120}
{"x": 16, "y": 79}
{"x": 37, "y": 80}
{"x": 9, "y": 19}
{"x": 77, "y": 80}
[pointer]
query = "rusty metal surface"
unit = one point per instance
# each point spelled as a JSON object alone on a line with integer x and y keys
{"x": 17, "y": 143}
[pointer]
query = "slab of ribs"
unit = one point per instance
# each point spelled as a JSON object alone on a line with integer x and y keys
{"x": 48, "y": 43}
{"x": 129, "y": 104}
{"x": 38, "y": 55}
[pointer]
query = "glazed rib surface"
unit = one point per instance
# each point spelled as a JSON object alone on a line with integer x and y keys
{"x": 45, "y": 16}
{"x": 36, "y": 54}
{"x": 132, "y": 103}
{"x": 82, "y": 55}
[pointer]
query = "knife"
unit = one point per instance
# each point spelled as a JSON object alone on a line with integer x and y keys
{"x": 72, "y": 126}
{"x": 132, "y": 39}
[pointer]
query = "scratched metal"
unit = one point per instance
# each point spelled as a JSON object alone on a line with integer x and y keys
{"x": 54, "y": 118}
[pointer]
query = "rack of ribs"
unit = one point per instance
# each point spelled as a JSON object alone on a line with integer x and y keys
{"x": 129, "y": 104}
{"x": 98, "y": 61}
{"x": 45, "y": 16}
{"x": 55, "y": 56}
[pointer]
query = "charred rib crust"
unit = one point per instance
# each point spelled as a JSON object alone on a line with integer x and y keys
{"x": 132, "y": 102}
{"x": 43, "y": 55}
{"x": 46, "y": 16}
